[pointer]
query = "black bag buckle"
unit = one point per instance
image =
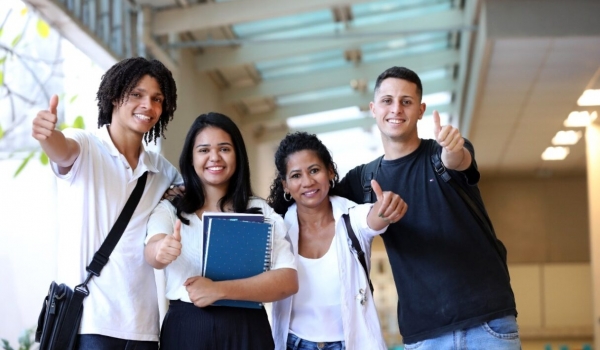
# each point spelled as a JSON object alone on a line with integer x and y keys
{"x": 82, "y": 288}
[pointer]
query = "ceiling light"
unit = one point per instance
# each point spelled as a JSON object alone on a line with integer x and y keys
{"x": 555, "y": 153}
{"x": 569, "y": 137}
{"x": 333, "y": 116}
{"x": 589, "y": 98}
{"x": 580, "y": 119}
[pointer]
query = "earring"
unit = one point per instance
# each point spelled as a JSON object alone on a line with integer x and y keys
{"x": 332, "y": 183}
{"x": 287, "y": 200}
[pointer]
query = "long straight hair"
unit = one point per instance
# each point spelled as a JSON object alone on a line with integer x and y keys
{"x": 239, "y": 189}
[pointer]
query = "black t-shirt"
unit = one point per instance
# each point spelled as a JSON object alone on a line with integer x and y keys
{"x": 448, "y": 274}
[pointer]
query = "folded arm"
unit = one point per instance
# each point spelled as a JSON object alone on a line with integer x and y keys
{"x": 266, "y": 287}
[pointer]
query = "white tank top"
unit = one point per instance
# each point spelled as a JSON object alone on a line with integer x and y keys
{"x": 316, "y": 308}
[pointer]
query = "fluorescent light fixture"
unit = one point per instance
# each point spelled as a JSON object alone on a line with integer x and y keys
{"x": 336, "y": 115}
{"x": 555, "y": 153}
{"x": 566, "y": 137}
{"x": 589, "y": 97}
{"x": 580, "y": 119}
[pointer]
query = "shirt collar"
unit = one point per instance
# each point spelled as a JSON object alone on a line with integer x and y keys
{"x": 145, "y": 159}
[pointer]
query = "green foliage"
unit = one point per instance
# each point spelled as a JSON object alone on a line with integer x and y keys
{"x": 2, "y": 60}
{"x": 79, "y": 123}
{"x": 1, "y": 31}
{"x": 16, "y": 40}
{"x": 6, "y": 345}
{"x": 24, "y": 163}
{"x": 44, "y": 158}
{"x": 1, "y": 78}
{"x": 26, "y": 341}
{"x": 73, "y": 98}
{"x": 1, "y": 132}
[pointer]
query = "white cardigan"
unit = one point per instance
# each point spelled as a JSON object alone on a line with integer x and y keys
{"x": 361, "y": 324}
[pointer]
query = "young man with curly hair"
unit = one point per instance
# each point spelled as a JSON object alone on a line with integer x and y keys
{"x": 98, "y": 171}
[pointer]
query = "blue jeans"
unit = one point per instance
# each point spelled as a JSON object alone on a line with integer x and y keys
{"x": 295, "y": 343}
{"x": 102, "y": 342}
{"x": 499, "y": 334}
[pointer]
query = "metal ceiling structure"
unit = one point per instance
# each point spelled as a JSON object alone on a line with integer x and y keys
{"x": 506, "y": 72}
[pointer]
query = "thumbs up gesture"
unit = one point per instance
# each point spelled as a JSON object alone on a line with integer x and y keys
{"x": 44, "y": 122}
{"x": 447, "y": 136}
{"x": 389, "y": 207}
{"x": 169, "y": 247}
{"x": 454, "y": 155}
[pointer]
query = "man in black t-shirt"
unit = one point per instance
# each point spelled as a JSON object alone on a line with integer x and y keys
{"x": 450, "y": 270}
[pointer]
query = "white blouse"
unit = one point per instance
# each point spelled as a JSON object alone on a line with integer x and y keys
{"x": 189, "y": 263}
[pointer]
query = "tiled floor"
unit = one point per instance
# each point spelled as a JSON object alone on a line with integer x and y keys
{"x": 583, "y": 344}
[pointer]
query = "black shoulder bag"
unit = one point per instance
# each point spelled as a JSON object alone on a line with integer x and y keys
{"x": 59, "y": 319}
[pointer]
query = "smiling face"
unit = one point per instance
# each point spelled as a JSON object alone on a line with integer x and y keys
{"x": 397, "y": 109}
{"x": 141, "y": 109}
{"x": 214, "y": 157}
{"x": 307, "y": 179}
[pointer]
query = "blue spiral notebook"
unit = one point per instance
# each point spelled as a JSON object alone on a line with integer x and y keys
{"x": 237, "y": 249}
{"x": 207, "y": 215}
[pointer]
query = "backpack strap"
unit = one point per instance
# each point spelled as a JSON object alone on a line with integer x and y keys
{"x": 368, "y": 173}
{"x": 482, "y": 218}
{"x": 356, "y": 246}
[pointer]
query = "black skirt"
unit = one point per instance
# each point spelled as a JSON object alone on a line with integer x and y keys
{"x": 187, "y": 327}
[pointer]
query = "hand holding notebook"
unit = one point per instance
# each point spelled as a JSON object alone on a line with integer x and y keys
{"x": 236, "y": 246}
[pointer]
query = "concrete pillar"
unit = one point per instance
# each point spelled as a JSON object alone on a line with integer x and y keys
{"x": 592, "y": 137}
{"x": 196, "y": 94}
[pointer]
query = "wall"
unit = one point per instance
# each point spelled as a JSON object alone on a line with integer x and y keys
{"x": 196, "y": 94}
{"x": 540, "y": 220}
{"x": 28, "y": 244}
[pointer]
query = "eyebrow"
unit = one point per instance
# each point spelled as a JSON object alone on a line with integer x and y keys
{"x": 218, "y": 144}
{"x": 403, "y": 96}
{"x": 309, "y": 167}
{"x": 144, "y": 90}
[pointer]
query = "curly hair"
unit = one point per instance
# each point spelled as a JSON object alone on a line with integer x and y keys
{"x": 123, "y": 77}
{"x": 239, "y": 190}
{"x": 292, "y": 143}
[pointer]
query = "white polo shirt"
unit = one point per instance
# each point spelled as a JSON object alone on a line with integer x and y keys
{"x": 189, "y": 263}
{"x": 122, "y": 301}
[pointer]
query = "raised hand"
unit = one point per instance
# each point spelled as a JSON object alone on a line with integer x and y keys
{"x": 44, "y": 122}
{"x": 390, "y": 207}
{"x": 169, "y": 247}
{"x": 447, "y": 136}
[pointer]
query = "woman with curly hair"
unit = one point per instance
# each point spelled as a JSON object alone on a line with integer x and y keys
{"x": 334, "y": 307}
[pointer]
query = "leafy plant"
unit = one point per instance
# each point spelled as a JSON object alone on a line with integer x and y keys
{"x": 26, "y": 341}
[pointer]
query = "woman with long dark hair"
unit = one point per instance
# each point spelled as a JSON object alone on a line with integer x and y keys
{"x": 216, "y": 173}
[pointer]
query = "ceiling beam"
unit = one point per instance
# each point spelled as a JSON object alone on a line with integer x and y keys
{"x": 209, "y": 15}
{"x": 466, "y": 48}
{"x": 365, "y": 123}
{"x": 361, "y": 100}
{"x": 352, "y": 37}
{"x": 341, "y": 76}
